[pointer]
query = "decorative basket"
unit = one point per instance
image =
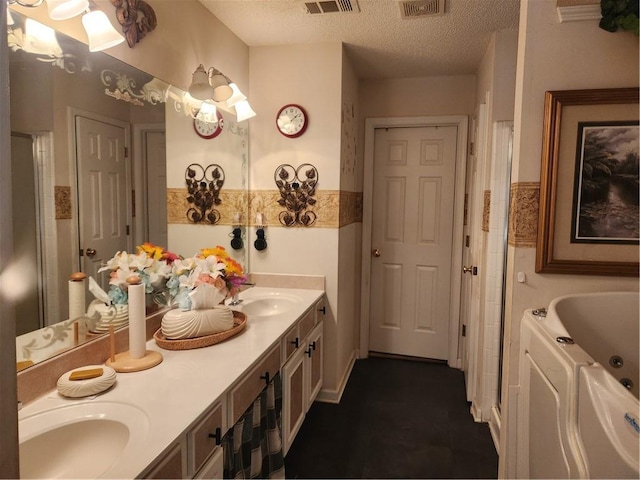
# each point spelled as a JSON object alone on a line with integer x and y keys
{"x": 239, "y": 322}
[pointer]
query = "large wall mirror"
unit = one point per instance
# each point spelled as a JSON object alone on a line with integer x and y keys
{"x": 98, "y": 152}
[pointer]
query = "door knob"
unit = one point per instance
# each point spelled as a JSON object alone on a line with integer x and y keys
{"x": 375, "y": 252}
{"x": 471, "y": 269}
{"x": 91, "y": 252}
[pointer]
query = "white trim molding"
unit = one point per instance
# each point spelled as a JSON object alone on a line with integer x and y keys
{"x": 334, "y": 396}
{"x": 579, "y": 13}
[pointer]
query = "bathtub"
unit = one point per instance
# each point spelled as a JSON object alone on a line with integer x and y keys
{"x": 578, "y": 412}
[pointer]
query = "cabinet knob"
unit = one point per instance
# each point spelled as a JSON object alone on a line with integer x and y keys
{"x": 309, "y": 351}
{"x": 296, "y": 342}
{"x": 217, "y": 436}
{"x": 312, "y": 345}
{"x": 323, "y": 310}
{"x": 266, "y": 378}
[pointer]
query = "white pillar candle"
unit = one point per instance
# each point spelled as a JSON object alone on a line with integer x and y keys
{"x": 137, "y": 320}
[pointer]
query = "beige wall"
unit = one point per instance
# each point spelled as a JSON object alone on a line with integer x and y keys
{"x": 553, "y": 56}
{"x": 350, "y": 244}
{"x": 311, "y": 76}
{"x": 405, "y": 97}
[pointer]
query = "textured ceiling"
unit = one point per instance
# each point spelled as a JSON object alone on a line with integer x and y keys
{"x": 380, "y": 43}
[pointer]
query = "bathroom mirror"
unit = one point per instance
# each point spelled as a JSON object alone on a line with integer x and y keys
{"x": 69, "y": 107}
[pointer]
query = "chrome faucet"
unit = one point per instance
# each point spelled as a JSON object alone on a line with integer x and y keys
{"x": 236, "y": 300}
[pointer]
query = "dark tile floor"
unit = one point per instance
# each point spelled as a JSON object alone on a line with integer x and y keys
{"x": 397, "y": 419}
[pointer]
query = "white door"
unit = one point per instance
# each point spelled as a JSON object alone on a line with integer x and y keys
{"x": 470, "y": 299}
{"x": 103, "y": 185}
{"x": 412, "y": 237}
{"x": 467, "y": 278}
{"x": 156, "y": 187}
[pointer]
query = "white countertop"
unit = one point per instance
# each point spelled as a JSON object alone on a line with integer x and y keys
{"x": 187, "y": 382}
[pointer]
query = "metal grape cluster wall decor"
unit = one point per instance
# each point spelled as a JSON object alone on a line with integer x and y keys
{"x": 297, "y": 188}
{"x": 204, "y": 185}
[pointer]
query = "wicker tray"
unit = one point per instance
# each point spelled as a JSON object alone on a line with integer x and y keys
{"x": 239, "y": 322}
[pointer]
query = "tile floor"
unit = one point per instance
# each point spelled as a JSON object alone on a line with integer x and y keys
{"x": 398, "y": 418}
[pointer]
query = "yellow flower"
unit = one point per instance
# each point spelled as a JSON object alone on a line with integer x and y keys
{"x": 232, "y": 268}
{"x": 152, "y": 251}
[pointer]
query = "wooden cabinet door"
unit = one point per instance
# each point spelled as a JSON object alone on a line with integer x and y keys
{"x": 314, "y": 364}
{"x": 294, "y": 397}
{"x": 205, "y": 438}
{"x": 214, "y": 468}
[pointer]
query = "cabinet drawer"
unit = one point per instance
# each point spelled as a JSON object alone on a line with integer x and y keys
{"x": 307, "y": 323}
{"x": 205, "y": 438}
{"x": 250, "y": 386}
{"x": 170, "y": 466}
{"x": 290, "y": 343}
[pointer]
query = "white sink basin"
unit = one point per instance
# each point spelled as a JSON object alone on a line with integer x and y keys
{"x": 79, "y": 440}
{"x": 267, "y": 304}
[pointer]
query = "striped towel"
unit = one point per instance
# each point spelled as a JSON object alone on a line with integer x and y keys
{"x": 253, "y": 447}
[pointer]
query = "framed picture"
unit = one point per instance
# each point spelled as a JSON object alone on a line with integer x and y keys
{"x": 589, "y": 219}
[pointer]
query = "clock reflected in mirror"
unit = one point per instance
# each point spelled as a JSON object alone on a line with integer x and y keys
{"x": 209, "y": 130}
{"x": 292, "y": 120}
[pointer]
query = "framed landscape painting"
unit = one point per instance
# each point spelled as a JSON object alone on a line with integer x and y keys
{"x": 605, "y": 202}
{"x": 589, "y": 218}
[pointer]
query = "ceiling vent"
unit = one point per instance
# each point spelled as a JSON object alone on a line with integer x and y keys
{"x": 332, "y": 6}
{"x": 421, "y": 8}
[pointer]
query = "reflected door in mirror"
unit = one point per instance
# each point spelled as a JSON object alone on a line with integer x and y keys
{"x": 27, "y": 266}
{"x": 154, "y": 158}
{"x": 102, "y": 191}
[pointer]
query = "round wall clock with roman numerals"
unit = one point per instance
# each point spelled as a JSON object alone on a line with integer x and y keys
{"x": 292, "y": 120}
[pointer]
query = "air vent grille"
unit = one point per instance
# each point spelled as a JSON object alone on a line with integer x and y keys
{"x": 332, "y": 6}
{"x": 421, "y": 8}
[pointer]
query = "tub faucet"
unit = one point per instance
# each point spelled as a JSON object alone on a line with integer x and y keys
{"x": 236, "y": 300}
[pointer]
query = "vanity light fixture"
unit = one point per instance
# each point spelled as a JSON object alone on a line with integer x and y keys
{"x": 200, "y": 87}
{"x": 244, "y": 110}
{"x": 210, "y": 84}
{"x": 58, "y": 9}
{"x": 212, "y": 88}
{"x": 237, "y": 96}
{"x": 65, "y": 9}
{"x": 100, "y": 32}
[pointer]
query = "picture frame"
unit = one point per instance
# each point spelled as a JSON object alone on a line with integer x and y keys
{"x": 571, "y": 118}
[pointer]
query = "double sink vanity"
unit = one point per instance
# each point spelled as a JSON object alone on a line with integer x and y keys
{"x": 168, "y": 421}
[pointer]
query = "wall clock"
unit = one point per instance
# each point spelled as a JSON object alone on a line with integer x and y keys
{"x": 292, "y": 120}
{"x": 209, "y": 130}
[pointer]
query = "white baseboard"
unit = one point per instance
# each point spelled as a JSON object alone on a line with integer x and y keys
{"x": 475, "y": 413}
{"x": 494, "y": 427}
{"x": 334, "y": 396}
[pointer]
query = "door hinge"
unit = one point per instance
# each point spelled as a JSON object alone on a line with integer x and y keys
{"x": 466, "y": 240}
{"x": 464, "y": 330}
{"x": 472, "y": 148}
{"x": 128, "y": 230}
{"x": 465, "y": 209}
{"x": 126, "y": 152}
